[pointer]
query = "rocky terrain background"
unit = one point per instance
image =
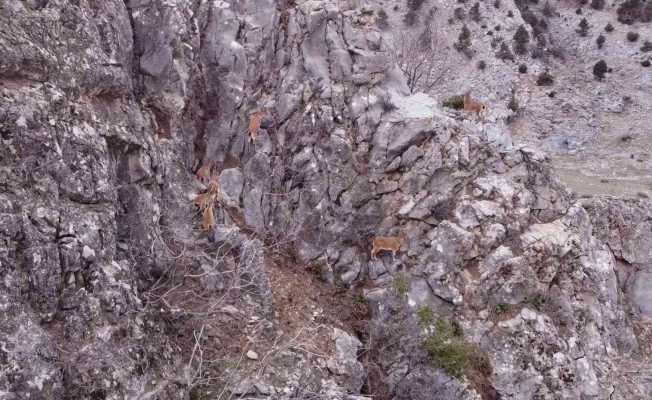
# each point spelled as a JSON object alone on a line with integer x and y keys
{"x": 190, "y": 189}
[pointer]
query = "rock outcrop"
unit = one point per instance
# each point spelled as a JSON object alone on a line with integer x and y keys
{"x": 114, "y": 285}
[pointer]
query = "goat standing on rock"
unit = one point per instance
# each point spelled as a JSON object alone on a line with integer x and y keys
{"x": 388, "y": 243}
{"x": 474, "y": 106}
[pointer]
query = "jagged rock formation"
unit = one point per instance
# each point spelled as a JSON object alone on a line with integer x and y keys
{"x": 110, "y": 289}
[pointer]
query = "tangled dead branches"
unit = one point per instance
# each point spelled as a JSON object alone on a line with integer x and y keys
{"x": 206, "y": 202}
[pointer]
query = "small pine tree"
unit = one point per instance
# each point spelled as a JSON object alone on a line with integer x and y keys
{"x": 521, "y": 40}
{"x": 548, "y": 10}
{"x": 425, "y": 39}
{"x": 647, "y": 46}
{"x": 415, "y": 5}
{"x": 530, "y": 17}
{"x": 599, "y": 69}
{"x": 630, "y": 11}
{"x": 463, "y": 43}
{"x": 646, "y": 12}
{"x": 600, "y": 41}
{"x": 504, "y": 53}
{"x": 545, "y": 79}
{"x": 410, "y": 18}
{"x": 583, "y": 27}
{"x": 382, "y": 20}
{"x": 474, "y": 12}
{"x": 597, "y": 4}
{"x": 632, "y": 36}
{"x": 513, "y": 103}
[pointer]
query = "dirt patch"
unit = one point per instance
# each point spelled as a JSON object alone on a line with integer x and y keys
{"x": 302, "y": 300}
{"x": 225, "y": 325}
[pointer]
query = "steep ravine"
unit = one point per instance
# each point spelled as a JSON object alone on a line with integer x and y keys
{"x": 189, "y": 192}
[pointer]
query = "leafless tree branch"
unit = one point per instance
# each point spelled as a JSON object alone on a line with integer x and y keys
{"x": 421, "y": 57}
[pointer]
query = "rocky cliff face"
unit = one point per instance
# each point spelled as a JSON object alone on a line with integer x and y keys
{"x": 189, "y": 195}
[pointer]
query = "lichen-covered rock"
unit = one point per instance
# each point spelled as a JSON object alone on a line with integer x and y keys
{"x": 122, "y": 275}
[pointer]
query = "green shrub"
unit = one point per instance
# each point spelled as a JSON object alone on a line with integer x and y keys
{"x": 454, "y": 102}
{"x": 609, "y": 28}
{"x": 400, "y": 284}
{"x": 632, "y": 36}
{"x": 425, "y": 316}
{"x": 645, "y": 63}
{"x": 537, "y": 301}
{"x": 501, "y": 308}
{"x": 199, "y": 393}
{"x": 482, "y": 65}
{"x": 448, "y": 350}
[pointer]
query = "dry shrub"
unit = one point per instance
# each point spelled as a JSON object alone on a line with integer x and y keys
{"x": 206, "y": 202}
{"x": 421, "y": 58}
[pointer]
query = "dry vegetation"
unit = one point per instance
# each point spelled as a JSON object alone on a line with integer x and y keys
{"x": 241, "y": 294}
{"x": 421, "y": 58}
{"x": 206, "y": 202}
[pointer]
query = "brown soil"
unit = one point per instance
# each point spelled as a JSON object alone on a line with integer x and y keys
{"x": 302, "y": 300}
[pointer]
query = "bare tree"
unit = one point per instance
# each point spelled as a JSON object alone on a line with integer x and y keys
{"x": 421, "y": 57}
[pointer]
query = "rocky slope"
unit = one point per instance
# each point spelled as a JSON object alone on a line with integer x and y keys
{"x": 130, "y": 272}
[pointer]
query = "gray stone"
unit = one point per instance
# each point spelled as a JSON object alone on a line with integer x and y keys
{"x": 345, "y": 363}
{"x": 108, "y": 278}
{"x": 88, "y": 254}
{"x": 231, "y": 183}
{"x": 641, "y": 292}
